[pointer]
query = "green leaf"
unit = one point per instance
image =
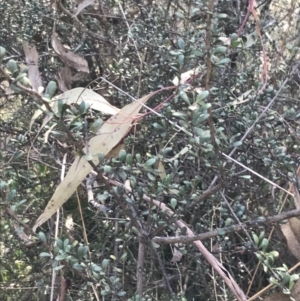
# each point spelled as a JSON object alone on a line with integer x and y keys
{"x": 105, "y": 263}
{"x": 224, "y": 61}
{"x": 219, "y": 49}
{"x": 12, "y": 66}
{"x": 229, "y": 221}
{"x": 95, "y": 126}
{"x": 96, "y": 268}
{"x": 51, "y": 89}
{"x": 58, "y": 267}
{"x": 66, "y": 242}
{"x": 105, "y": 292}
{"x": 237, "y": 143}
{"x": 201, "y": 96}
{"x": 17, "y": 155}
{"x": 173, "y": 203}
{"x": 286, "y": 279}
{"x": 107, "y": 169}
{"x": 59, "y": 243}
{"x": 44, "y": 254}
{"x": 180, "y": 15}
{"x": 60, "y": 257}
{"x": 255, "y": 238}
{"x": 150, "y": 162}
{"x": 222, "y": 16}
{"x": 291, "y": 284}
{"x": 2, "y": 184}
{"x": 124, "y": 255}
{"x": 129, "y": 159}
{"x": 181, "y": 59}
{"x": 2, "y": 53}
{"x": 202, "y": 134}
{"x": 264, "y": 244}
{"x": 82, "y": 251}
{"x": 221, "y": 231}
{"x": 197, "y": 53}
{"x": 121, "y": 294}
{"x": 274, "y": 281}
{"x": 261, "y": 235}
{"x": 118, "y": 270}
{"x": 274, "y": 254}
{"x": 184, "y": 97}
{"x": 42, "y": 236}
{"x": 78, "y": 266}
{"x": 178, "y": 114}
{"x": 294, "y": 277}
{"x": 11, "y": 195}
{"x": 84, "y": 106}
{"x": 245, "y": 176}
{"x": 155, "y": 245}
{"x": 181, "y": 43}
{"x": 122, "y": 155}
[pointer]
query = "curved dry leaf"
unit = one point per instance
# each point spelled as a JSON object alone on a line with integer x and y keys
{"x": 83, "y": 5}
{"x": 291, "y": 231}
{"x": 32, "y": 59}
{"x": 71, "y": 59}
{"x": 64, "y": 79}
{"x": 78, "y": 95}
{"x": 278, "y": 297}
{"x": 114, "y": 129}
{"x": 48, "y": 132}
{"x": 296, "y": 193}
{"x": 296, "y": 291}
{"x": 110, "y": 134}
{"x": 185, "y": 76}
{"x": 115, "y": 151}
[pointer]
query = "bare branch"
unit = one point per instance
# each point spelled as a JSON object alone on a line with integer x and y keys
{"x": 230, "y": 229}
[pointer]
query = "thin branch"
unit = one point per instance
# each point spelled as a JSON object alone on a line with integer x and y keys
{"x": 208, "y": 38}
{"x": 236, "y": 218}
{"x": 140, "y": 267}
{"x": 220, "y": 269}
{"x": 163, "y": 270}
{"x": 257, "y": 174}
{"x": 260, "y": 116}
{"x": 234, "y": 228}
{"x": 207, "y": 193}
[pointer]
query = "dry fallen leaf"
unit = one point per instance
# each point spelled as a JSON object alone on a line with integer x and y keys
{"x": 115, "y": 151}
{"x": 83, "y": 5}
{"x": 295, "y": 191}
{"x": 64, "y": 79}
{"x": 291, "y": 231}
{"x": 78, "y": 95}
{"x": 71, "y": 59}
{"x": 32, "y": 59}
{"x": 110, "y": 134}
{"x": 277, "y": 297}
{"x": 185, "y": 76}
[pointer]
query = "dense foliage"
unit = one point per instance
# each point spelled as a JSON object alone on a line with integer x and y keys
{"x": 212, "y": 147}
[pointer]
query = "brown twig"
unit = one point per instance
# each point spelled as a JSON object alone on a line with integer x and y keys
{"x": 140, "y": 267}
{"x": 209, "y": 71}
{"x": 220, "y": 269}
{"x": 230, "y": 229}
